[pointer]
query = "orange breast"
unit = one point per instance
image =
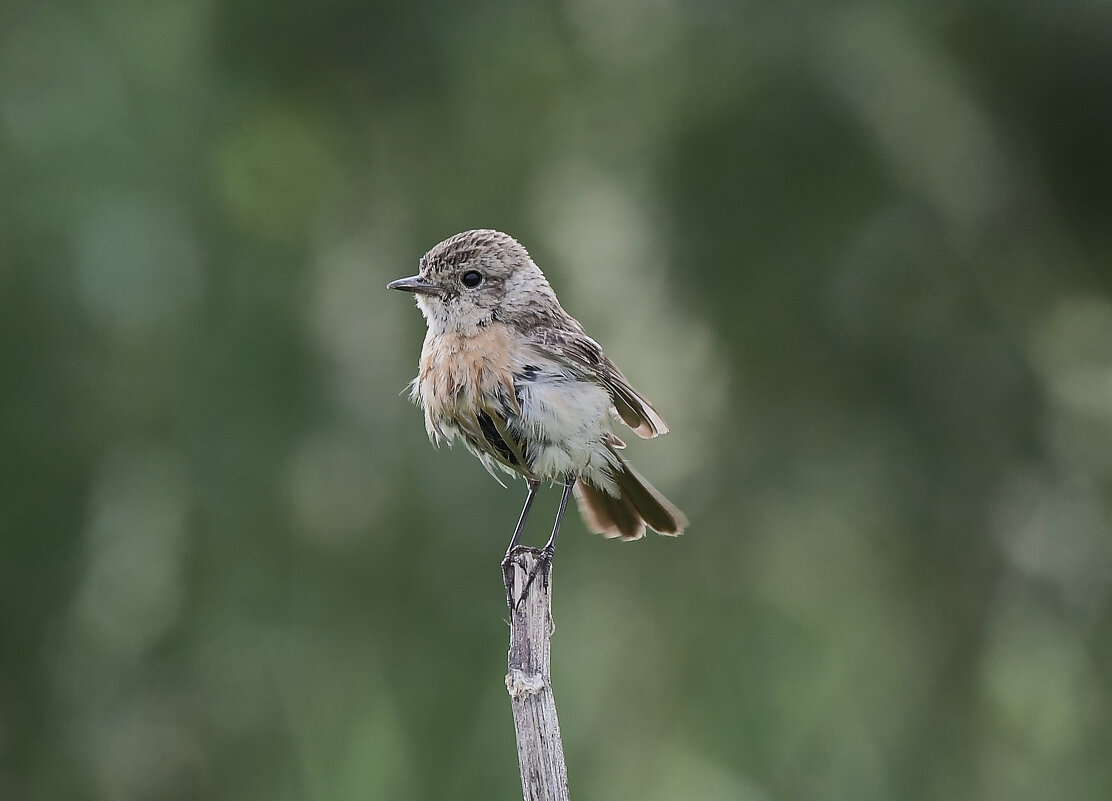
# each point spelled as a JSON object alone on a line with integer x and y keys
{"x": 458, "y": 371}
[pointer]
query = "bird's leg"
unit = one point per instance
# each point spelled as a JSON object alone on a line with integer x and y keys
{"x": 544, "y": 560}
{"x": 507, "y": 569}
{"x": 549, "y": 549}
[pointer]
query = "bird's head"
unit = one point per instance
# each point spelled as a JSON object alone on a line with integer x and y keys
{"x": 475, "y": 278}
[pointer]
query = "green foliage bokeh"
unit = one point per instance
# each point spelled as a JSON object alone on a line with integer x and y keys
{"x": 858, "y": 254}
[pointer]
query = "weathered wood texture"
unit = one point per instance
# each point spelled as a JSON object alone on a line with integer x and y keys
{"x": 540, "y": 752}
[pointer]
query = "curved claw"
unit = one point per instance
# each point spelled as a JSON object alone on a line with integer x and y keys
{"x": 543, "y": 560}
{"x": 543, "y": 563}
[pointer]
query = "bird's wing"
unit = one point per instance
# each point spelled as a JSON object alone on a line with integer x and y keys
{"x": 584, "y": 357}
{"x": 486, "y": 433}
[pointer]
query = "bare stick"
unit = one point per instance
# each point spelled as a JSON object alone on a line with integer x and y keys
{"x": 540, "y": 752}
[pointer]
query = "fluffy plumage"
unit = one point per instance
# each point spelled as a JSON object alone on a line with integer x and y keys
{"x": 515, "y": 377}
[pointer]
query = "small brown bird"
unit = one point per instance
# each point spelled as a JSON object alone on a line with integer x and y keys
{"x": 508, "y": 371}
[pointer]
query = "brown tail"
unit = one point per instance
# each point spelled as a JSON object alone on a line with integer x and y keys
{"x": 639, "y": 504}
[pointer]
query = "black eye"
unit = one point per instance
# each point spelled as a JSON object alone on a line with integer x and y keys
{"x": 471, "y": 279}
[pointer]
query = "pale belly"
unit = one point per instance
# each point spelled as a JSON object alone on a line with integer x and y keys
{"x": 566, "y": 422}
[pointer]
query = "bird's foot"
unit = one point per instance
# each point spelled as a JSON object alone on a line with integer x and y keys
{"x": 508, "y": 576}
{"x": 542, "y": 567}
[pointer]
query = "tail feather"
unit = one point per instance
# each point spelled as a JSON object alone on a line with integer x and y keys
{"x": 627, "y": 514}
{"x": 607, "y": 515}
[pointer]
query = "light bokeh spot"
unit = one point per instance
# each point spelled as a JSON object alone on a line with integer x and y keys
{"x": 139, "y": 263}
{"x": 131, "y": 591}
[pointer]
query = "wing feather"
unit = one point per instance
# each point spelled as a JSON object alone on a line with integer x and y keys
{"x": 578, "y": 352}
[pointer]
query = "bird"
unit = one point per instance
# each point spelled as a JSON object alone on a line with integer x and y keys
{"x": 507, "y": 371}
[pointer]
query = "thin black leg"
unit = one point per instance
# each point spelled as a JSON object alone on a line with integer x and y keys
{"x": 550, "y": 546}
{"x": 544, "y": 559}
{"x": 534, "y": 485}
{"x": 507, "y": 569}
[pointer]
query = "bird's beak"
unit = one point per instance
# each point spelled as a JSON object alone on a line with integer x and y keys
{"x": 414, "y": 284}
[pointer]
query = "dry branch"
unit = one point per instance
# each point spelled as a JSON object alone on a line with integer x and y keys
{"x": 540, "y": 752}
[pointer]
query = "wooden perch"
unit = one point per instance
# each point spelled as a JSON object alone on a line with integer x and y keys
{"x": 540, "y": 752}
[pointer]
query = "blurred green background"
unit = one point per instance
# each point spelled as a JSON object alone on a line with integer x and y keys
{"x": 858, "y": 255}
